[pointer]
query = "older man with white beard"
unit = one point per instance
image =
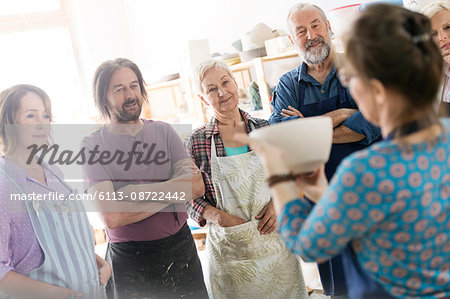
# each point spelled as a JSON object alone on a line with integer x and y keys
{"x": 313, "y": 89}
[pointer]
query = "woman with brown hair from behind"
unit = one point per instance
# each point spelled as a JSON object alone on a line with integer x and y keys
{"x": 387, "y": 208}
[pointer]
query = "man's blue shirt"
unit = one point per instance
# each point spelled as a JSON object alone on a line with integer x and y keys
{"x": 288, "y": 93}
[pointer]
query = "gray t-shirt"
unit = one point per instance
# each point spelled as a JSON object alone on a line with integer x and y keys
{"x": 166, "y": 149}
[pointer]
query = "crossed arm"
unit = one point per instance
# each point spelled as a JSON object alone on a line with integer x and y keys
{"x": 186, "y": 178}
{"x": 341, "y": 133}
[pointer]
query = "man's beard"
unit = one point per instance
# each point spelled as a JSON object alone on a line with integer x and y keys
{"x": 317, "y": 54}
{"x": 125, "y": 115}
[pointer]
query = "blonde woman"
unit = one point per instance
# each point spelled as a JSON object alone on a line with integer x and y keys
{"x": 46, "y": 247}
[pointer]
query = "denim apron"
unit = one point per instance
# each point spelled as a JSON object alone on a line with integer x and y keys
{"x": 331, "y": 272}
{"x": 338, "y": 150}
{"x": 66, "y": 239}
{"x": 359, "y": 284}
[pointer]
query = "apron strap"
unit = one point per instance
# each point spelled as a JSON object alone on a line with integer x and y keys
{"x": 63, "y": 182}
{"x": 301, "y": 95}
{"x": 213, "y": 142}
{"x": 342, "y": 92}
{"x": 213, "y": 148}
{"x": 20, "y": 189}
{"x": 53, "y": 272}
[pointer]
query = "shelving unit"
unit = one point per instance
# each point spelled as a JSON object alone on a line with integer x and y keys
{"x": 260, "y": 77}
{"x": 164, "y": 100}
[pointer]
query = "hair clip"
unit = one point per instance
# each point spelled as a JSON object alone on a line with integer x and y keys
{"x": 421, "y": 38}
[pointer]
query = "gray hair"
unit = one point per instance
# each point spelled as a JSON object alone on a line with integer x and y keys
{"x": 434, "y": 7}
{"x": 304, "y": 5}
{"x": 207, "y": 64}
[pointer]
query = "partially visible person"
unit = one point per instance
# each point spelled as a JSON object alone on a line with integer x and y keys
{"x": 439, "y": 14}
{"x": 246, "y": 258}
{"x": 387, "y": 209}
{"x": 313, "y": 89}
{"x": 46, "y": 247}
{"x": 151, "y": 249}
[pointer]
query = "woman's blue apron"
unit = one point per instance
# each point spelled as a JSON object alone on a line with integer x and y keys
{"x": 65, "y": 236}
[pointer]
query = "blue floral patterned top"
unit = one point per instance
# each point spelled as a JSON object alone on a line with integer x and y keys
{"x": 392, "y": 203}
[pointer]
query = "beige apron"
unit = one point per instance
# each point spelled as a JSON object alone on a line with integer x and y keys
{"x": 242, "y": 262}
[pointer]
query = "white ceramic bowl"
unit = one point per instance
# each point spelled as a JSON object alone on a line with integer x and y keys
{"x": 306, "y": 142}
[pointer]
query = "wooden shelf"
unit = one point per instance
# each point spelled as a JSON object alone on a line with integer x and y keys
{"x": 164, "y": 100}
{"x": 160, "y": 85}
{"x": 260, "y": 73}
{"x": 289, "y": 54}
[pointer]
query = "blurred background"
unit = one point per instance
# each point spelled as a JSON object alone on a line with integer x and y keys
{"x": 57, "y": 45}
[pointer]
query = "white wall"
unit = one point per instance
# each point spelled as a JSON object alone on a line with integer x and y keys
{"x": 101, "y": 31}
{"x": 159, "y": 29}
{"x": 151, "y": 32}
{"x": 154, "y": 32}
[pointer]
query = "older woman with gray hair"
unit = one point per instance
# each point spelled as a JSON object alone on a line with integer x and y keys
{"x": 439, "y": 14}
{"x": 246, "y": 259}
